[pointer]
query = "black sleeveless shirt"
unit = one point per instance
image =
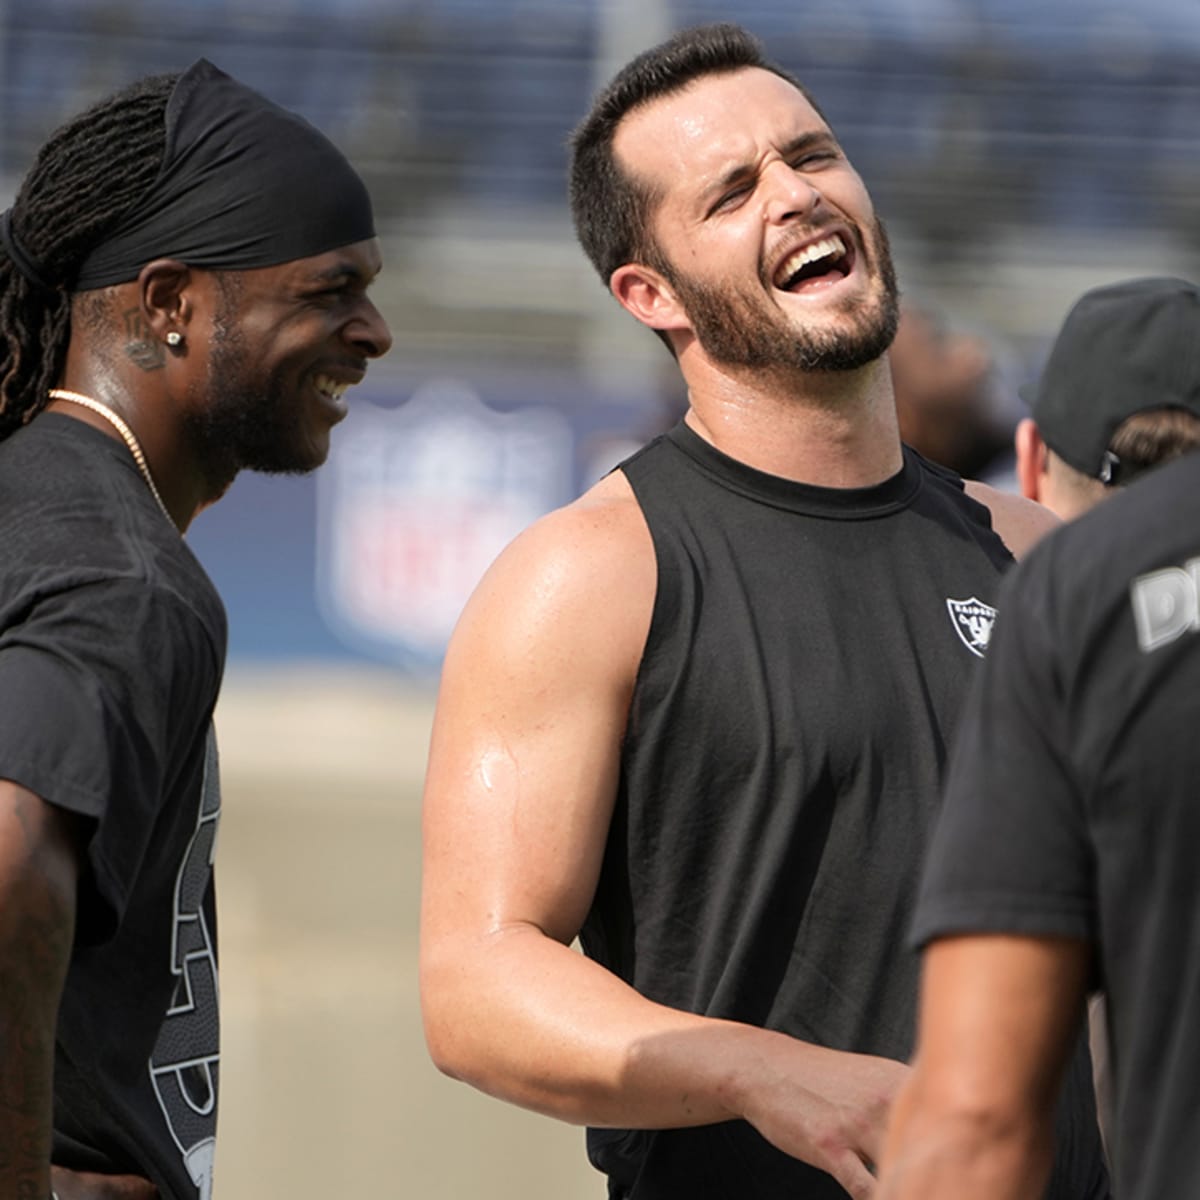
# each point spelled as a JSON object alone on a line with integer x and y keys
{"x": 808, "y": 655}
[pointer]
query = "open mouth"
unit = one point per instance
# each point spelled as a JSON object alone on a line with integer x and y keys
{"x": 822, "y": 262}
{"x": 330, "y": 388}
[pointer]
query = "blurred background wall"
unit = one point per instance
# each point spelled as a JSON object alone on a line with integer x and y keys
{"x": 1020, "y": 152}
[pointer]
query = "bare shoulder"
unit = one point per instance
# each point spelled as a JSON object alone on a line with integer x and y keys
{"x": 1019, "y": 522}
{"x": 532, "y": 704}
{"x": 606, "y": 513}
{"x": 580, "y": 578}
{"x": 598, "y": 545}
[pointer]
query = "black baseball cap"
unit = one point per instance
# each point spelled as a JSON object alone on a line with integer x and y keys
{"x": 1123, "y": 348}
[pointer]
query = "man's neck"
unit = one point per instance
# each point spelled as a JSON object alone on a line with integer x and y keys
{"x": 144, "y": 410}
{"x": 830, "y": 429}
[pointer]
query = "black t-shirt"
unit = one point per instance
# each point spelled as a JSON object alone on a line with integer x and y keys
{"x": 112, "y": 643}
{"x": 807, "y": 660}
{"x": 1073, "y": 801}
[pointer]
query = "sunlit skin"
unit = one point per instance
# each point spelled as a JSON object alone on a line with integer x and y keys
{"x": 747, "y": 172}
{"x": 258, "y": 406}
{"x": 998, "y": 1017}
{"x": 1044, "y": 477}
{"x": 535, "y": 691}
{"x": 241, "y": 388}
{"x": 212, "y": 372}
{"x": 727, "y": 203}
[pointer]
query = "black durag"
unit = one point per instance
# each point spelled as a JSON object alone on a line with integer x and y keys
{"x": 244, "y": 183}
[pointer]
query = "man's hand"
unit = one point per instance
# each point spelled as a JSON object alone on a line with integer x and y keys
{"x": 84, "y": 1185}
{"x": 829, "y": 1109}
{"x": 88, "y": 1186}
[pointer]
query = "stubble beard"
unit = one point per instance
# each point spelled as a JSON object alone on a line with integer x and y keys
{"x": 244, "y": 422}
{"x": 740, "y": 330}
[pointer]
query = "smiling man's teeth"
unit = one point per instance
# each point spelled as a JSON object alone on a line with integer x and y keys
{"x": 829, "y": 247}
{"x": 331, "y": 387}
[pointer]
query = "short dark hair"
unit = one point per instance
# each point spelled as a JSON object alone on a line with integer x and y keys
{"x": 1153, "y": 436}
{"x": 612, "y": 211}
{"x": 87, "y": 175}
{"x": 1143, "y": 441}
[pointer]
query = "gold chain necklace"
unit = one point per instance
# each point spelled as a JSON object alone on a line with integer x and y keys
{"x": 127, "y": 436}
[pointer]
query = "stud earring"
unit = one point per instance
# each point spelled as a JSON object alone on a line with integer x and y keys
{"x": 174, "y": 339}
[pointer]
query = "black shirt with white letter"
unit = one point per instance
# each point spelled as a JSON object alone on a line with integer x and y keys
{"x": 112, "y": 644}
{"x": 1073, "y": 802}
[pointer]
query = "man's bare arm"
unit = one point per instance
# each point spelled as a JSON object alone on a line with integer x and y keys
{"x": 38, "y": 875}
{"x": 997, "y": 1021}
{"x": 521, "y": 783}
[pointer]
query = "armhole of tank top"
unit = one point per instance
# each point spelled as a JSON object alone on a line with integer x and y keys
{"x": 655, "y": 611}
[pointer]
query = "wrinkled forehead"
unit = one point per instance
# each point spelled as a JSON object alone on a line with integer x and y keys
{"x": 712, "y": 126}
{"x": 363, "y": 259}
{"x": 353, "y": 265}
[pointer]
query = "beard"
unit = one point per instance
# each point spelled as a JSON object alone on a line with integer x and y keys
{"x": 248, "y": 420}
{"x": 739, "y": 329}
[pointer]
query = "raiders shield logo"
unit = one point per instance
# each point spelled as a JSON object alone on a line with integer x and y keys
{"x": 972, "y": 620}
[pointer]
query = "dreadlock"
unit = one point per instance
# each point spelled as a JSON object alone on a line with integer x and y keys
{"x": 84, "y": 179}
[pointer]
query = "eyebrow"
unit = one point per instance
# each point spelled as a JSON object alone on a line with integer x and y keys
{"x": 805, "y": 141}
{"x": 342, "y": 272}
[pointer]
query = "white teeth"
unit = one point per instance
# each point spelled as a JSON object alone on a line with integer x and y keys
{"x": 826, "y": 248}
{"x": 331, "y": 387}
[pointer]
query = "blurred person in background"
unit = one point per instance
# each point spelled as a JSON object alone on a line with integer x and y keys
{"x": 1111, "y": 402}
{"x": 1064, "y": 858}
{"x": 183, "y": 294}
{"x": 943, "y": 381}
{"x": 1118, "y": 397}
{"x": 698, "y": 718}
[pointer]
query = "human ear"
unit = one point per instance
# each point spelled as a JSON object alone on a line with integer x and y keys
{"x": 1031, "y": 459}
{"x": 165, "y": 287}
{"x": 643, "y": 292}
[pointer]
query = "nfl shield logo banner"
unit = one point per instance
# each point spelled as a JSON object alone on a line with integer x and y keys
{"x": 417, "y": 501}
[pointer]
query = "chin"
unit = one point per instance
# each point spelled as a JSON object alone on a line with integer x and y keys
{"x": 291, "y": 461}
{"x": 318, "y": 452}
{"x": 307, "y": 459}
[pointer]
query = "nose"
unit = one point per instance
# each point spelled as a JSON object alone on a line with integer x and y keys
{"x": 368, "y": 332}
{"x": 788, "y": 193}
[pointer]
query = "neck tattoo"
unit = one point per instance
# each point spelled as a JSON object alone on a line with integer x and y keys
{"x": 127, "y": 436}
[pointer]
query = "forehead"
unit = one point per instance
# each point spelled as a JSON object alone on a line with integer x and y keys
{"x": 358, "y": 262}
{"x": 715, "y": 123}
